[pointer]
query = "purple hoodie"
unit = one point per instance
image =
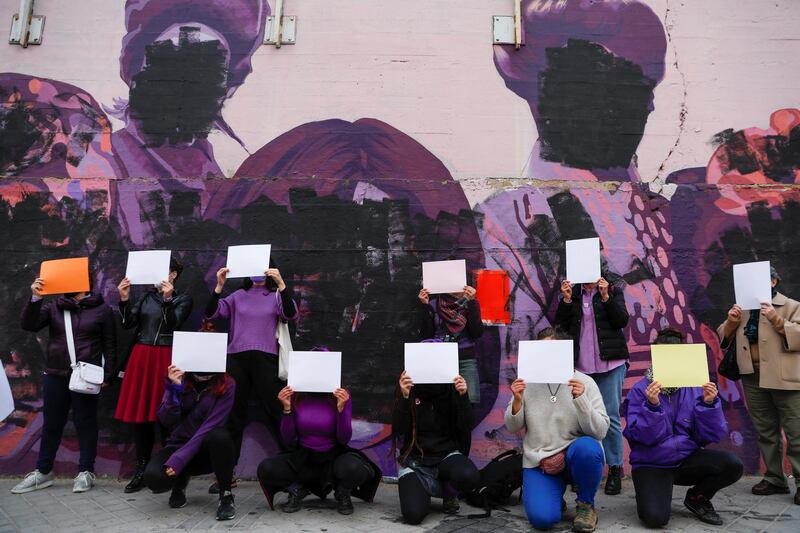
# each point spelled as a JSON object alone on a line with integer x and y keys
{"x": 316, "y": 424}
{"x": 189, "y": 416}
{"x": 663, "y": 435}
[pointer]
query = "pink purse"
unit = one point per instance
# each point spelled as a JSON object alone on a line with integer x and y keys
{"x": 554, "y": 464}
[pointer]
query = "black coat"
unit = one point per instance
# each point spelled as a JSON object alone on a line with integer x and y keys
{"x": 610, "y": 318}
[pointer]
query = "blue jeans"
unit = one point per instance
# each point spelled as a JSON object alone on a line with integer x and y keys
{"x": 542, "y": 493}
{"x": 610, "y": 385}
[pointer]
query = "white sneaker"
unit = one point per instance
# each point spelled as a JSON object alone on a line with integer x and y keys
{"x": 33, "y": 481}
{"x": 83, "y": 481}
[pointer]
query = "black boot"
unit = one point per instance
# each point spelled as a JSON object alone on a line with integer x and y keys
{"x": 177, "y": 498}
{"x": 614, "y": 480}
{"x": 137, "y": 481}
{"x": 295, "y": 502}
{"x": 226, "y": 510}
{"x": 343, "y": 502}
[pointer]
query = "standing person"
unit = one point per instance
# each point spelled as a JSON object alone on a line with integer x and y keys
{"x": 563, "y": 429}
{"x": 317, "y": 428}
{"x": 455, "y": 318}
{"x": 154, "y": 316}
{"x": 767, "y": 346}
{"x": 596, "y": 319}
{"x": 668, "y": 429}
{"x": 194, "y": 409}
{"x": 94, "y": 343}
{"x": 254, "y": 311}
{"x": 434, "y": 423}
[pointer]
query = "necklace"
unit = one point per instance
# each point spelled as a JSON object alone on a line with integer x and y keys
{"x": 553, "y": 398}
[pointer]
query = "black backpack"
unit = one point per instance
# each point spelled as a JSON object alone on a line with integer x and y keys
{"x": 499, "y": 479}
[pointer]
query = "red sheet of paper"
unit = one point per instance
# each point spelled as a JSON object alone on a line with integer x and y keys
{"x": 65, "y": 275}
{"x": 493, "y": 290}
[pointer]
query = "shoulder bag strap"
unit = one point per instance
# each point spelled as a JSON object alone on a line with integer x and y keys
{"x": 70, "y": 339}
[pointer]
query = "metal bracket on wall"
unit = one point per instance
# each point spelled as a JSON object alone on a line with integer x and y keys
{"x": 508, "y": 30}
{"x": 26, "y": 28}
{"x": 280, "y": 29}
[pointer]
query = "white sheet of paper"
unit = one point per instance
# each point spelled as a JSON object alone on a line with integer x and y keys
{"x": 198, "y": 351}
{"x": 148, "y": 267}
{"x": 583, "y": 260}
{"x": 547, "y": 361}
{"x": 315, "y": 371}
{"x": 248, "y": 260}
{"x": 441, "y": 277}
{"x": 431, "y": 362}
{"x": 6, "y": 398}
{"x": 752, "y": 284}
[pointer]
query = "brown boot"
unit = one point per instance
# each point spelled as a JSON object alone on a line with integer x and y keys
{"x": 585, "y": 518}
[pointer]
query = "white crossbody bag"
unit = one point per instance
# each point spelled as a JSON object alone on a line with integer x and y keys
{"x": 86, "y": 378}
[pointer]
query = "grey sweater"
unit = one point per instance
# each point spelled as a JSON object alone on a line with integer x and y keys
{"x": 551, "y": 427}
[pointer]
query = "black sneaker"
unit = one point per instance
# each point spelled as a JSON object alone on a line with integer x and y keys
{"x": 343, "y": 502}
{"x": 702, "y": 509}
{"x": 137, "y": 481}
{"x": 177, "y": 497}
{"x": 450, "y": 505}
{"x": 214, "y": 487}
{"x": 614, "y": 481}
{"x": 226, "y": 510}
{"x": 295, "y": 502}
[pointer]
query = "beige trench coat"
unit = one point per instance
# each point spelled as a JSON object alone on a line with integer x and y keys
{"x": 779, "y": 355}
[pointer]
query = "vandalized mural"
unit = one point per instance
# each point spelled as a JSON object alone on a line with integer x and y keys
{"x": 352, "y": 208}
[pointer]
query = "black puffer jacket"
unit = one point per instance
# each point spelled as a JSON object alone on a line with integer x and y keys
{"x": 610, "y": 318}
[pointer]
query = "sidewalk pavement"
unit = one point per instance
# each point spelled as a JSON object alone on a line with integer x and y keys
{"x": 107, "y": 508}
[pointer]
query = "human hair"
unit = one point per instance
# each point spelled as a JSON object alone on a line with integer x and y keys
{"x": 412, "y": 445}
{"x": 217, "y": 385}
{"x": 555, "y": 332}
{"x": 773, "y": 274}
{"x": 175, "y": 266}
{"x": 669, "y": 336}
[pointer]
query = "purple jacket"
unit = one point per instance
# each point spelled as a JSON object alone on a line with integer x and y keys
{"x": 316, "y": 424}
{"x": 92, "y": 329}
{"x": 189, "y": 416}
{"x": 663, "y": 436}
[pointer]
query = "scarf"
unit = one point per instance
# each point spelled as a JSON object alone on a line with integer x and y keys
{"x": 751, "y": 328}
{"x": 666, "y": 391}
{"x": 453, "y": 312}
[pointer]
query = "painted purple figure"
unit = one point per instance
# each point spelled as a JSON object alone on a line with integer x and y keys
{"x": 588, "y": 72}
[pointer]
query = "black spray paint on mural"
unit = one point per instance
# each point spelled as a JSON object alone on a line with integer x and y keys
{"x": 593, "y": 107}
{"x": 18, "y": 133}
{"x": 777, "y": 156}
{"x": 178, "y": 94}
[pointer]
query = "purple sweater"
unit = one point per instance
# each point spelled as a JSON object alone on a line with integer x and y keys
{"x": 663, "y": 435}
{"x": 253, "y": 318}
{"x": 316, "y": 424}
{"x": 189, "y": 416}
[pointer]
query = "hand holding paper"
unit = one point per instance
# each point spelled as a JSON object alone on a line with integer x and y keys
{"x": 431, "y": 362}
{"x": 199, "y": 351}
{"x": 444, "y": 277}
{"x": 248, "y": 260}
{"x": 680, "y": 365}
{"x": 315, "y": 371}
{"x": 752, "y": 284}
{"x": 545, "y": 361}
{"x": 64, "y": 276}
{"x": 148, "y": 267}
{"x": 583, "y": 260}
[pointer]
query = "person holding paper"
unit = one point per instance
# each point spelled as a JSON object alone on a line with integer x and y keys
{"x": 595, "y": 318}
{"x": 94, "y": 342}
{"x": 317, "y": 428}
{"x": 563, "y": 424}
{"x": 154, "y": 317}
{"x": 767, "y": 344}
{"x": 194, "y": 408}
{"x": 434, "y": 424}
{"x": 254, "y": 311}
{"x": 668, "y": 430}
{"x": 455, "y": 318}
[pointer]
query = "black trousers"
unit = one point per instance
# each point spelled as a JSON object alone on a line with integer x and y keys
{"x": 216, "y": 455}
{"x": 706, "y": 471}
{"x": 144, "y": 438}
{"x": 415, "y": 501}
{"x": 347, "y": 470}
{"x": 255, "y": 372}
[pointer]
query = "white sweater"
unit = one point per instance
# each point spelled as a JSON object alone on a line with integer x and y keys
{"x": 551, "y": 427}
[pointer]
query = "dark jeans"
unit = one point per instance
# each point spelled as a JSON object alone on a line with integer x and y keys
{"x": 58, "y": 400}
{"x": 216, "y": 455}
{"x": 255, "y": 372}
{"x": 707, "y": 471}
{"x": 415, "y": 501}
{"x": 349, "y": 470}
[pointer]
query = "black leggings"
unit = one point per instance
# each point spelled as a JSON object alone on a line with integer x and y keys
{"x": 144, "y": 438}
{"x": 707, "y": 471}
{"x": 216, "y": 455}
{"x": 415, "y": 501}
{"x": 279, "y": 472}
{"x": 255, "y": 371}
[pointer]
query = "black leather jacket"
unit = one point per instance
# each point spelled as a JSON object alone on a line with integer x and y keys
{"x": 154, "y": 319}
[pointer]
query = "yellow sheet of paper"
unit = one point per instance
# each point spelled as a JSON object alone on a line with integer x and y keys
{"x": 680, "y": 365}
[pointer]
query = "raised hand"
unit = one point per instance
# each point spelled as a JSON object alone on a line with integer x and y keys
{"x": 769, "y": 312}
{"x": 285, "y": 397}
{"x": 735, "y": 314}
{"x": 461, "y": 385}
{"x": 37, "y": 287}
{"x": 167, "y": 289}
{"x": 602, "y": 288}
{"x": 652, "y": 391}
{"x": 341, "y": 398}
{"x": 175, "y": 374}
{"x": 222, "y": 276}
{"x": 710, "y": 392}
{"x": 469, "y": 292}
{"x": 405, "y": 384}
{"x": 577, "y": 387}
{"x": 518, "y": 390}
{"x": 124, "y": 289}
{"x": 275, "y": 274}
{"x": 424, "y": 296}
{"x": 566, "y": 291}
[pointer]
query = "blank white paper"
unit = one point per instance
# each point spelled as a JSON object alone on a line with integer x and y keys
{"x": 248, "y": 260}
{"x": 198, "y": 351}
{"x": 752, "y": 284}
{"x": 546, "y": 361}
{"x": 6, "y": 398}
{"x": 148, "y": 267}
{"x": 441, "y": 277}
{"x": 431, "y": 362}
{"x": 583, "y": 260}
{"x": 315, "y": 371}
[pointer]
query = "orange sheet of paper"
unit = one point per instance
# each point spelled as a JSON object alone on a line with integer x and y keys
{"x": 65, "y": 275}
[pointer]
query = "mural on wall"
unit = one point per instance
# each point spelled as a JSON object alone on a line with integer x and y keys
{"x": 353, "y": 208}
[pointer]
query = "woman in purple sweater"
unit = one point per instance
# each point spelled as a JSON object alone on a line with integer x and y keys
{"x": 318, "y": 428}
{"x": 253, "y": 312}
{"x": 194, "y": 409}
{"x": 667, "y": 430}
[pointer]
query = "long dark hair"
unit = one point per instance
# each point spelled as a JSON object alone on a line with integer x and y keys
{"x": 412, "y": 445}
{"x": 269, "y": 284}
